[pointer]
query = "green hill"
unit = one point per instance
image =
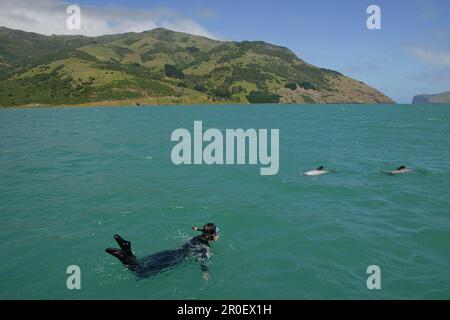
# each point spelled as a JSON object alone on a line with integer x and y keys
{"x": 163, "y": 67}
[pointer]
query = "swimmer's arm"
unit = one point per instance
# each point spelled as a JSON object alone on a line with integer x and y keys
{"x": 203, "y": 260}
{"x": 204, "y": 266}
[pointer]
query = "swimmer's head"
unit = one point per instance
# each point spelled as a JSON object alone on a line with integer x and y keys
{"x": 210, "y": 231}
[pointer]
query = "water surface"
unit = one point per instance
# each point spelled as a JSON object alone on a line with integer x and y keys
{"x": 72, "y": 177}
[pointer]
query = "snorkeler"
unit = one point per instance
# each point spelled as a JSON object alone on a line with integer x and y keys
{"x": 198, "y": 247}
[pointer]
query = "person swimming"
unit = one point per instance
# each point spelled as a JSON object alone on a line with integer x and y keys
{"x": 198, "y": 247}
{"x": 316, "y": 172}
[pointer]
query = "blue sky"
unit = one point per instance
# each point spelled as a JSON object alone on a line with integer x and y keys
{"x": 409, "y": 55}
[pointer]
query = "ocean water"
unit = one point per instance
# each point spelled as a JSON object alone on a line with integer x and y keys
{"x": 72, "y": 177}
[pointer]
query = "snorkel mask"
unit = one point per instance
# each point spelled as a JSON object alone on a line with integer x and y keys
{"x": 207, "y": 229}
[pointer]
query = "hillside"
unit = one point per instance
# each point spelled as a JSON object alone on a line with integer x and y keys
{"x": 443, "y": 97}
{"x": 163, "y": 67}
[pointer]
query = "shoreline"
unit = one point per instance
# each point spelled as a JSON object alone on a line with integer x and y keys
{"x": 125, "y": 103}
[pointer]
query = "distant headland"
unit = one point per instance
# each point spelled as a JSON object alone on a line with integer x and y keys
{"x": 443, "y": 97}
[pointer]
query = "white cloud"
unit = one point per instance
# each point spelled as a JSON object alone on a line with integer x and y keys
{"x": 432, "y": 57}
{"x": 49, "y": 17}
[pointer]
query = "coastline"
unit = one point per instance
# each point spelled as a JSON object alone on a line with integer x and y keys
{"x": 134, "y": 103}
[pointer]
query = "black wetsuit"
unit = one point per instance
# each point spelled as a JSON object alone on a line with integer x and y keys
{"x": 151, "y": 265}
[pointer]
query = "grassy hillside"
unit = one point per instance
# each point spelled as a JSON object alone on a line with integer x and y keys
{"x": 163, "y": 67}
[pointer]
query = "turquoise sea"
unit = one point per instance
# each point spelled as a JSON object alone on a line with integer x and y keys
{"x": 72, "y": 177}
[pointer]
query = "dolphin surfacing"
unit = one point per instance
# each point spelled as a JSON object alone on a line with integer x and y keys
{"x": 316, "y": 172}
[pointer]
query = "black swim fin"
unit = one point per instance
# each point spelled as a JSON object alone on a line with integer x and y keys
{"x": 127, "y": 260}
{"x": 125, "y": 245}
